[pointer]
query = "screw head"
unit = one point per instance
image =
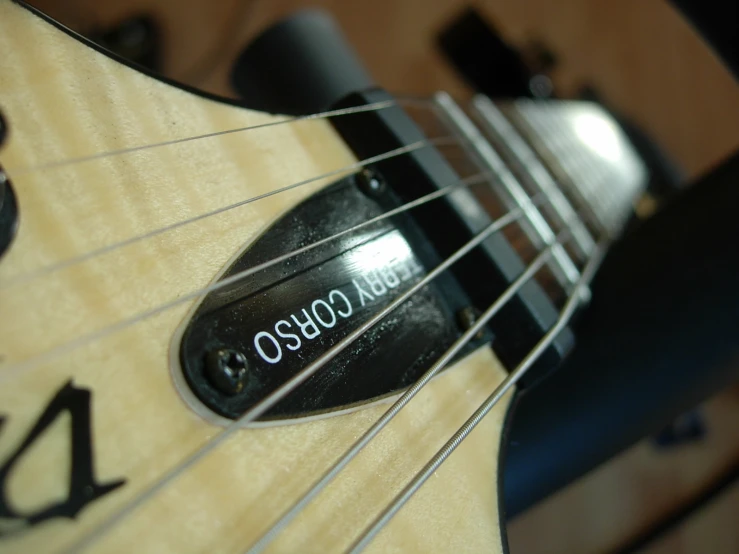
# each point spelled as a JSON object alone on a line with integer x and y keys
{"x": 467, "y": 317}
{"x": 370, "y": 182}
{"x": 226, "y": 369}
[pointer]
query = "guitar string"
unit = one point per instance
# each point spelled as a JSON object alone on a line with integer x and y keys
{"x": 444, "y": 452}
{"x": 53, "y": 353}
{"x": 286, "y": 388}
{"x": 383, "y": 421}
{"x": 79, "y": 259}
{"x": 375, "y": 106}
{"x": 420, "y": 478}
{"x": 542, "y": 258}
{"x": 34, "y": 274}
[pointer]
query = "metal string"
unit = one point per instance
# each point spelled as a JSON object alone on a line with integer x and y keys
{"x": 420, "y": 478}
{"x": 380, "y": 424}
{"x": 263, "y": 406}
{"x": 14, "y": 368}
{"x": 110, "y": 153}
{"x": 268, "y": 402}
{"x": 75, "y": 260}
{"x": 286, "y": 388}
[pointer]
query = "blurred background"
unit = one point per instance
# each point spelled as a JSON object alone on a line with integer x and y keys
{"x": 642, "y": 60}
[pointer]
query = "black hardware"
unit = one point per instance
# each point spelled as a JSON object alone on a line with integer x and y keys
{"x": 227, "y": 370}
{"x": 370, "y": 182}
{"x": 280, "y": 318}
{"x": 467, "y": 317}
{"x": 449, "y": 222}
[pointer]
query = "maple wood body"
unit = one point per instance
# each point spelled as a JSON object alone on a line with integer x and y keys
{"x": 63, "y": 100}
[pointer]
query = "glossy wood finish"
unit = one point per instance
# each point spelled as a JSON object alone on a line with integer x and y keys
{"x": 64, "y": 101}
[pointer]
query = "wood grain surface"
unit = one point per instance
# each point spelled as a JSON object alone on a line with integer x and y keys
{"x": 645, "y": 60}
{"x": 64, "y": 101}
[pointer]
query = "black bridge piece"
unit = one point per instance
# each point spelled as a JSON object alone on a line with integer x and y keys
{"x": 449, "y": 222}
{"x": 309, "y": 48}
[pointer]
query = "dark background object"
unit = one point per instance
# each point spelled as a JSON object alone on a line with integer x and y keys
{"x": 716, "y": 20}
{"x": 688, "y": 428}
{"x": 485, "y": 60}
{"x": 138, "y": 39}
{"x": 661, "y": 335}
{"x": 554, "y": 441}
{"x": 301, "y": 65}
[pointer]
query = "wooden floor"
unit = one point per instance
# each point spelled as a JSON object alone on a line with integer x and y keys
{"x": 623, "y": 497}
{"x": 644, "y": 60}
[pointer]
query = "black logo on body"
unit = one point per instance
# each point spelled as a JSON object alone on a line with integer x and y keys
{"x": 83, "y": 487}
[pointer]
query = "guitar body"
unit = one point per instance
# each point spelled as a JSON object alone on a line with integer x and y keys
{"x": 64, "y": 100}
